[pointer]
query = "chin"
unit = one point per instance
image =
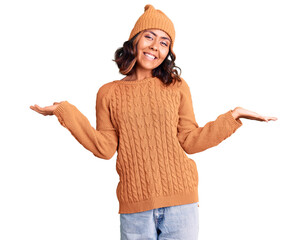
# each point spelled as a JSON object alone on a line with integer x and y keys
{"x": 149, "y": 67}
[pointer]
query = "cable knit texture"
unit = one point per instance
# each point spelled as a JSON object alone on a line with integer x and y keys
{"x": 152, "y": 127}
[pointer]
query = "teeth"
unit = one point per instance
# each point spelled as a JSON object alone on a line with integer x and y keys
{"x": 148, "y": 55}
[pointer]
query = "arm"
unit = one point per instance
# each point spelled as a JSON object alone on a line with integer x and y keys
{"x": 195, "y": 139}
{"x": 103, "y": 140}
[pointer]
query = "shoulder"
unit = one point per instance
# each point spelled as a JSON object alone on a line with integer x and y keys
{"x": 182, "y": 85}
{"x": 106, "y": 89}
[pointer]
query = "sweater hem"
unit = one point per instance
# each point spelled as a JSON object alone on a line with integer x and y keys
{"x": 158, "y": 202}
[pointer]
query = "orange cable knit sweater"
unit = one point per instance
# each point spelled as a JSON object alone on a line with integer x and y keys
{"x": 151, "y": 126}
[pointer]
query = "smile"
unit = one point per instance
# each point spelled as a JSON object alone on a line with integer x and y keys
{"x": 150, "y": 56}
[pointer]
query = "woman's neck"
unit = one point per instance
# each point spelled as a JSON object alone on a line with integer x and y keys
{"x": 140, "y": 74}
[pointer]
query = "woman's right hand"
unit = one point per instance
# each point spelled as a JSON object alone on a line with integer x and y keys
{"x": 45, "y": 110}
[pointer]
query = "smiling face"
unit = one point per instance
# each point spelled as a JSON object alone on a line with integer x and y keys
{"x": 152, "y": 49}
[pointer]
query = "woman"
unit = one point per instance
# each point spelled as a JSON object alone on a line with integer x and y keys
{"x": 148, "y": 118}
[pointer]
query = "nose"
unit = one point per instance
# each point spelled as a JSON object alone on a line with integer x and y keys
{"x": 153, "y": 46}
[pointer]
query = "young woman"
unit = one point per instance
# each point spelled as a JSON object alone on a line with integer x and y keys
{"x": 148, "y": 118}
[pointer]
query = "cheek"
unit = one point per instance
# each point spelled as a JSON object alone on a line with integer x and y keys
{"x": 164, "y": 53}
{"x": 138, "y": 54}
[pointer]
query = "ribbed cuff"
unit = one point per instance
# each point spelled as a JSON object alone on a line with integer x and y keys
{"x": 60, "y": 108}
{"x": 234, "y": 123}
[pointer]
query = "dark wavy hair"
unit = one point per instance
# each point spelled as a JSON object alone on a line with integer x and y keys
{"x": 125, "y": 58}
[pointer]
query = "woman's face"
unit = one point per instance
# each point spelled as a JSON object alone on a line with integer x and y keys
{"x": 152, "y": 48}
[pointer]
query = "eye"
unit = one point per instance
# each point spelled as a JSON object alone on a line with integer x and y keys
{"x": 165, "y": 44}
{"x": 148, "y": 36}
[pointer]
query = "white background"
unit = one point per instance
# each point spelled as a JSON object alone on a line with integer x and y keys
{"x": 232, "y": 53}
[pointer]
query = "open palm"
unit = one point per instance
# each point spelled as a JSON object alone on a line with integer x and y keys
{"x": 244, "y": 113}
{"x": 48, "y": 110}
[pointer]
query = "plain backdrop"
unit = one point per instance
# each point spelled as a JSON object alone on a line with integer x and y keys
{"x": 232, "y": 53}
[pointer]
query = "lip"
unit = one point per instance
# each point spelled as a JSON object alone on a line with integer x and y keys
{"x": 151, "y": 55}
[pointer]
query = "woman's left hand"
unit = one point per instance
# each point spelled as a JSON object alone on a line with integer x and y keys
{"x": 239, "y": 112}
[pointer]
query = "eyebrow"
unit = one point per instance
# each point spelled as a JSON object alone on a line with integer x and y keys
{"x": 156, "y": 35}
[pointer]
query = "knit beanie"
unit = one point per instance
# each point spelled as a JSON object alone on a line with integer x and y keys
{"x": 153, "y": 18}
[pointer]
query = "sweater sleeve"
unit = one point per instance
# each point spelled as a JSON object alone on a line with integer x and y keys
{"x": 193, "y": 138}
{"x": 103, "y": 140}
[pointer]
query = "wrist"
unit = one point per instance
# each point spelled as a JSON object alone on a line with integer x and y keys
{"x": 235, "y": 113}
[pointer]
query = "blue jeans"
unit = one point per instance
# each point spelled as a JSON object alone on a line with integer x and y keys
{"x": 176, "y": 222}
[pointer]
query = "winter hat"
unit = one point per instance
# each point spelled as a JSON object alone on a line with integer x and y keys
{"x": 153, "y": 18}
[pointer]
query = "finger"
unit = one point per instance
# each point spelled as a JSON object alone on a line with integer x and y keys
{"x": 271, "y": 118}
{"x": 34, "y": 108}
{"x": 40, "y": 110}
{"x": 39, "y": 107}
{"x": 260, "y": 118}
